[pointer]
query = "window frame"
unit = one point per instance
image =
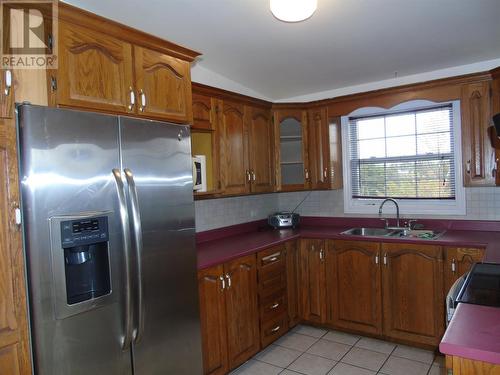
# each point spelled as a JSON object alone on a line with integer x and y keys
{"x": 455, "y": 206}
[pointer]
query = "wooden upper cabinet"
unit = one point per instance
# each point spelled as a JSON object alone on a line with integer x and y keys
{"x": 353, "y": 275}
{"x": 260, "y": 147}
{"x": 312, "y": 273}
{"x": 478, "y": 155}
{"x": 319, "y": 149}
{"x": 413, "y": 295}
{"x": 213, "y": 321}
{"x": 163, "y": 85}
{"x": 95, "y": 70}
{"x": 204, "y": 112}
{"x": 242, "y": 309}
{"x": 235, "y": 173}
{"x": 495, "y": 108}
{"x": 458, "y": 261}
{"x": 335, "y": 151}
{"x": 14, "y": 341}
{"x": 291, "y": 148}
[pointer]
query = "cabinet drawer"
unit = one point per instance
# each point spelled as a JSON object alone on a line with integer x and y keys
{"x": 273, "y": 329}
{"x": 271, "y": 258}
{"x": 273, "y": 306}
{"x": 271, "y": 281}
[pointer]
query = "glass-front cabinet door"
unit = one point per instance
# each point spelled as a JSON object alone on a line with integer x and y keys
{"x": 291, "y": 143}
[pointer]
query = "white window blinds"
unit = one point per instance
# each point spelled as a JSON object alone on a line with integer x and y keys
{"x": 404, "y": 155}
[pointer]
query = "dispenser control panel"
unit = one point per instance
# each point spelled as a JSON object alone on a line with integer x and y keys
{"x": 84, "y": 231}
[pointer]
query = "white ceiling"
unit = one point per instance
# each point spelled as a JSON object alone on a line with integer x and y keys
{"x": 344, "y": 43}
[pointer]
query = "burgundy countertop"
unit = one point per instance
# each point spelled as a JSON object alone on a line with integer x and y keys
{"x": 474, "y": 331}
{"x": 224, "y": 244}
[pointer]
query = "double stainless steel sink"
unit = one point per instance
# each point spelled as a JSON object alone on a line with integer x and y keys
{"x": 423, "y": 234}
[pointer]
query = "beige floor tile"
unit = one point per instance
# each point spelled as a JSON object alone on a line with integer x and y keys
{"x": 253, "y": 367}
{"x": 415, "y": 354}
{"x": 365, "y": 358}
{"x": 310, "y": 331}
{"x": 342, "y": 337}
{"x": 296, "y": 341}
{"x": 403, "y": 366}
{"x": 439, "y": 361}
{"x": 312, "y": 365}
{"x": 376, "y": 345}
{"x": 345, "y": 369}
{"x": 329, "y": 349}
{"x": 289, "y": 372}
{"x": 278, "y": 355}
{"x": 436, "y": 370}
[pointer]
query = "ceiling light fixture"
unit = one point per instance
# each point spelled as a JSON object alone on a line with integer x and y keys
{"x": 293, "y": 10}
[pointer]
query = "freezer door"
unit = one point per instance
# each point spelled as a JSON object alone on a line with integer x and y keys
{"x": 157, "y": 159}
{"x": 66, "y": 158}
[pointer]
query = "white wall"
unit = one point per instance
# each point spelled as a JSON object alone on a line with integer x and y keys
{"x": 208, "y": 77}
{"x": 399, "y": 81}
{"x": 482, "y": 204}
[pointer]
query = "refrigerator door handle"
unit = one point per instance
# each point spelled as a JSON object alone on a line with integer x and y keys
{"x": 137, "y": 231}
{"x": 124, "y": 219}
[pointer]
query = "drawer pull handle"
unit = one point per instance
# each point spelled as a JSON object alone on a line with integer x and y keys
{"x": 271, "y": 258}
{"x": 275, "y": 305}
{"x": 275, "y": 329}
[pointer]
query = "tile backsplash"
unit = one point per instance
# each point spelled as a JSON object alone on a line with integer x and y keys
{"x": 482, "y": 204}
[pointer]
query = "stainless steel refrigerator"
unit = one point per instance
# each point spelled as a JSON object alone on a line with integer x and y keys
{"x": 108, "y": 220}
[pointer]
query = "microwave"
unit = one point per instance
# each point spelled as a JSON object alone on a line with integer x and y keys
{"x": 199, "y": 173}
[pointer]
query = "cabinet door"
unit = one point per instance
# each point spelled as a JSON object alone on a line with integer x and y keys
{"x": 235, "y": 173}
{"x": 204, "y": 113}
{"x": 412, "y": 290}
{"x": 319, "y": 150}
{"x": 291, "y": 147}
{"x": 213, "y": 320}
{"x": 354, "y": 292}
{"x": 205, "y": 139}
{"x": 260, "y": 143}
{"x": 95, "y": 70}
{"x": 495, "y": 108}
{"x": 312, "y": 254}
{"x": 6, "y": 93}
{"x": 163, "y": 86}
{"x": 478, "y": 155}
{"x": 242, "y": 310}
{"x": 458, "y": 261}
{"x": 335, "y": 140}
{"x": 14, "y": 342}
{"x": 293, "y": 282}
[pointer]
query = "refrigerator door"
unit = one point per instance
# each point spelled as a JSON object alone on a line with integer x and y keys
{"x": 157, "y": 159}
{"x": 73, "y": 241}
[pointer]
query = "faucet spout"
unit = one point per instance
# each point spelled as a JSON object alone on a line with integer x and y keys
{"x": 397, "y": 208}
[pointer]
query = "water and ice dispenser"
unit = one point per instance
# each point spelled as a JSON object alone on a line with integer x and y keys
{"x": 84, "y": 244}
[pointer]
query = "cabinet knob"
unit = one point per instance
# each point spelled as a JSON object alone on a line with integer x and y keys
{"x": 142, "y": 96}
{"x": 132, "y": 99}
{"x": 453, "y": 266}
{"x": 8, "y": 82}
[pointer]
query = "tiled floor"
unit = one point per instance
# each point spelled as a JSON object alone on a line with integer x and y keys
{"x": 313, "y": 351}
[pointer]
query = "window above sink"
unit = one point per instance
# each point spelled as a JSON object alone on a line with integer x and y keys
{"x": 411, "y": 151}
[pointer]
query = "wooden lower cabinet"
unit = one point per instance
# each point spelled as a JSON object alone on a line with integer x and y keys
{"x": 458, "y": 261}
{"x": 229, "y": 314}
{"x": 272, "y": 286}
{"x": 464, "y": 366}
{"x": 293, "y": 283}
{"x": 312, "y": 280}
{"x": 413, "y": 294}
{"x": 353, "y": 277}
{"x": 213, "y": 320}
